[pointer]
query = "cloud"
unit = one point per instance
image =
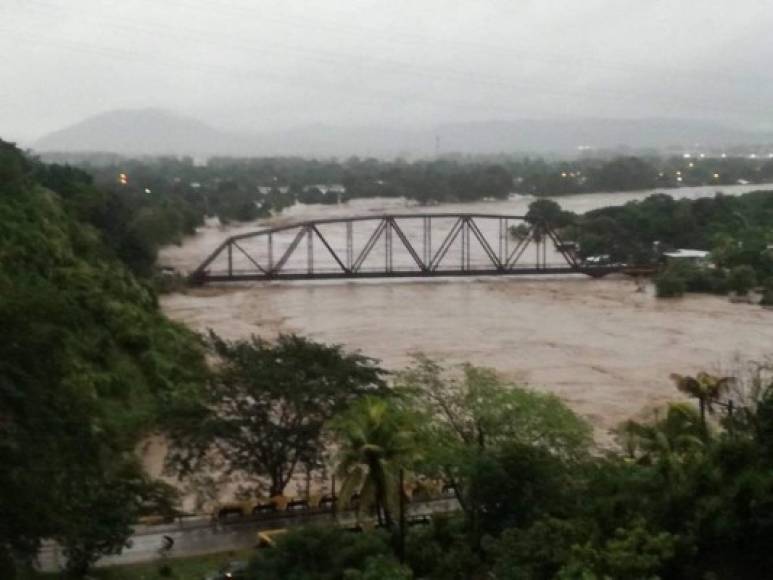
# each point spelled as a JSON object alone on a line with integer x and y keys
{"x": 262, "y": 65}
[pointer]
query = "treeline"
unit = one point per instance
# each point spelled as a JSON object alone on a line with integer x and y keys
{"x": 88, "y": 365}
{"x": 140, "y": 205}
{"x": 737, "y": 231}
{"x": 237, "y": 188}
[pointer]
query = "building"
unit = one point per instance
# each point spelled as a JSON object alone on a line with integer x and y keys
{"x": 696, "y": 257}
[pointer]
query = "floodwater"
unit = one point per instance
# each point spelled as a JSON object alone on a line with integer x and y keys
{"x": 604, "y": 346}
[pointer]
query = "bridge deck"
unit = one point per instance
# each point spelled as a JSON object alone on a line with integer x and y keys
{"x": 218, "y": 277}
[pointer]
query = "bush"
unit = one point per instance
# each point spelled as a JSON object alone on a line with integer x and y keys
{"x": 742, "y": 279}
{"x": 708, "y": 280}
{"x": 670, "y": 284}
{"x": 325, "y": 553}
{"x": 165, "y": 570}
{"x": 767, "y": 298}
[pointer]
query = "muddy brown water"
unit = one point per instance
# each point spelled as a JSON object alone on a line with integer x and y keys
{"x": 603, "y": 346}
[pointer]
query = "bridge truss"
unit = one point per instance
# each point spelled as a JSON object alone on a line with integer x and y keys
{"x": 399, "y": 245}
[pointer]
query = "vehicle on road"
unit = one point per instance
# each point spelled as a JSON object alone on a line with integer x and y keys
{"x": 233, "y": 570}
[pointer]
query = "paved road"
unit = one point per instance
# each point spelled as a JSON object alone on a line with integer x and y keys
{"x": 197, "y": 536}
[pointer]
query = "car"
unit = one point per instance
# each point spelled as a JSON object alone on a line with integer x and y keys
{"x": 233, "y": 570}
{"x": 267, "y": 538}
{"x": 599, "y": 260}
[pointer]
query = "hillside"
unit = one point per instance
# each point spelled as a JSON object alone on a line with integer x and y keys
{"x": 159, "y": 132}
{"x": 140, "y": 131}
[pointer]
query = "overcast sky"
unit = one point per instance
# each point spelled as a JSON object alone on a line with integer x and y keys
{"x": 261, "y": 65}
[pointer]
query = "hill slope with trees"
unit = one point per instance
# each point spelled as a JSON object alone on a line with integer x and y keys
{"x": 88, "y": 364}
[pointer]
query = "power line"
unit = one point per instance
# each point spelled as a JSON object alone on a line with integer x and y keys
{"x": 404, "y": 68}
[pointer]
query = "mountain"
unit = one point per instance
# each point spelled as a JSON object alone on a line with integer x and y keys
{"x": 139, "y": 131}
{"x": 155, "y": 131}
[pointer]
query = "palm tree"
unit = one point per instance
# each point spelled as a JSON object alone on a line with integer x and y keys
{"x": 704, "y": 387}
{"x": 376, "y": 440}
{"x": 667, "y": 442}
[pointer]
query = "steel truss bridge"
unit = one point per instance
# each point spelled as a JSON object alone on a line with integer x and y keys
{"x": 391, "y": 246}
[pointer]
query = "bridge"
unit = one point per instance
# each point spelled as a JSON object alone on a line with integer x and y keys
{"x": 393, "y": 246}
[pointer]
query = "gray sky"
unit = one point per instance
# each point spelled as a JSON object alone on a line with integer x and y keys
{"x": 260, "y": 65}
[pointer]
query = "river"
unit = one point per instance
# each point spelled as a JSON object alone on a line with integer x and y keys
{"x": 601, "y": 345}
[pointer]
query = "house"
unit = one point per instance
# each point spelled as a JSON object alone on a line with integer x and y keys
{"x": 697, "y": 257}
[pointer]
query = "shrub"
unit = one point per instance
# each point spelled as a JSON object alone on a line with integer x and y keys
{"x": 165, "y": 571}
{"x": 742, "y": 279}
{"x": 670, "y": 284}
{"x": 767, "y": 298}
{"x": 324, "y": 553}
{"x": 709, "y": 280}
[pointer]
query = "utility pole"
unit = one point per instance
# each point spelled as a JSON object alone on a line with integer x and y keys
{"x": 334, "y": 502}
{"x": 401, "y": 545}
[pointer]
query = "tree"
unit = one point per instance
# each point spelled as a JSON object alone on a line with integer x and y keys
{"x": 515, "y": 484}
{"x": 548, "y": 212}
{"x": 742, "y": 279}
{"x": 376, "y": 439}
{"x": 625, "y": 173}
{"x": 633, "y": 552}
{"x": 478, "y": 416}
{"x": 326, "y": 553}
{"x": 267, "y": 404}
{"x": 704, "y": 387}
{"x": 670, "y": 284}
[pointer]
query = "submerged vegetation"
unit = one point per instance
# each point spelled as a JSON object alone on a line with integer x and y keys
{"x": 225, "y": 186}
{"x": 139, "y": 205}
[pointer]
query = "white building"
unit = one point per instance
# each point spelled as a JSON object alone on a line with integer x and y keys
{"x": 697, "y": 257}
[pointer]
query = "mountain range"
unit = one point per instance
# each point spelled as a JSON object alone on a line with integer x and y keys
{"x": 160, "y": 132}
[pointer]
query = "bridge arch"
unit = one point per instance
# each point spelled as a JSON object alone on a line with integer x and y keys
{"x": 394, "y": 245}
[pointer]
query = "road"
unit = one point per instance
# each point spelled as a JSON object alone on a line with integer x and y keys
{"x": 196, "y": 536}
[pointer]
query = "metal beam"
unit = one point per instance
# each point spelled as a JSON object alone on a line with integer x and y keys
{"x": 505, "y": 261}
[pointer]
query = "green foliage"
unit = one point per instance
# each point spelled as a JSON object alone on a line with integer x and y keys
{"x": 547, "y": 211}
{"x": 503, "y": 448}
{"x": 223, "y": 184}
{"x": 380, "y": 568}
{"x": 625, "y": 173}
{"x": 670, "y": 284}
{"x": 539, "y": 550}
{"x": 308, "y": 382}
{"x": 376, "y": 439}
{"x": 442, "y": 551}
{"x": 326, "y": 553}
{"x": 632, "y": 552}
{"x": 735, "y": 229}
{"x": 515, "y": 485}
{"x": 742, "y": 279}
{"x": 478, "y": 410}
{"x": 87, "y": 365}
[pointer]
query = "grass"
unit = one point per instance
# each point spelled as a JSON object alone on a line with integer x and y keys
{"x": 191, "y": 568}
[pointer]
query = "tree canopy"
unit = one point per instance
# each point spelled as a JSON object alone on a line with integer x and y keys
{"x": 267, "y": 404}
{"x": 87, "y": 365}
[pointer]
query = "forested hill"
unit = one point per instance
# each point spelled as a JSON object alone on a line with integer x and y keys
{"x": 88, "y": 363}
